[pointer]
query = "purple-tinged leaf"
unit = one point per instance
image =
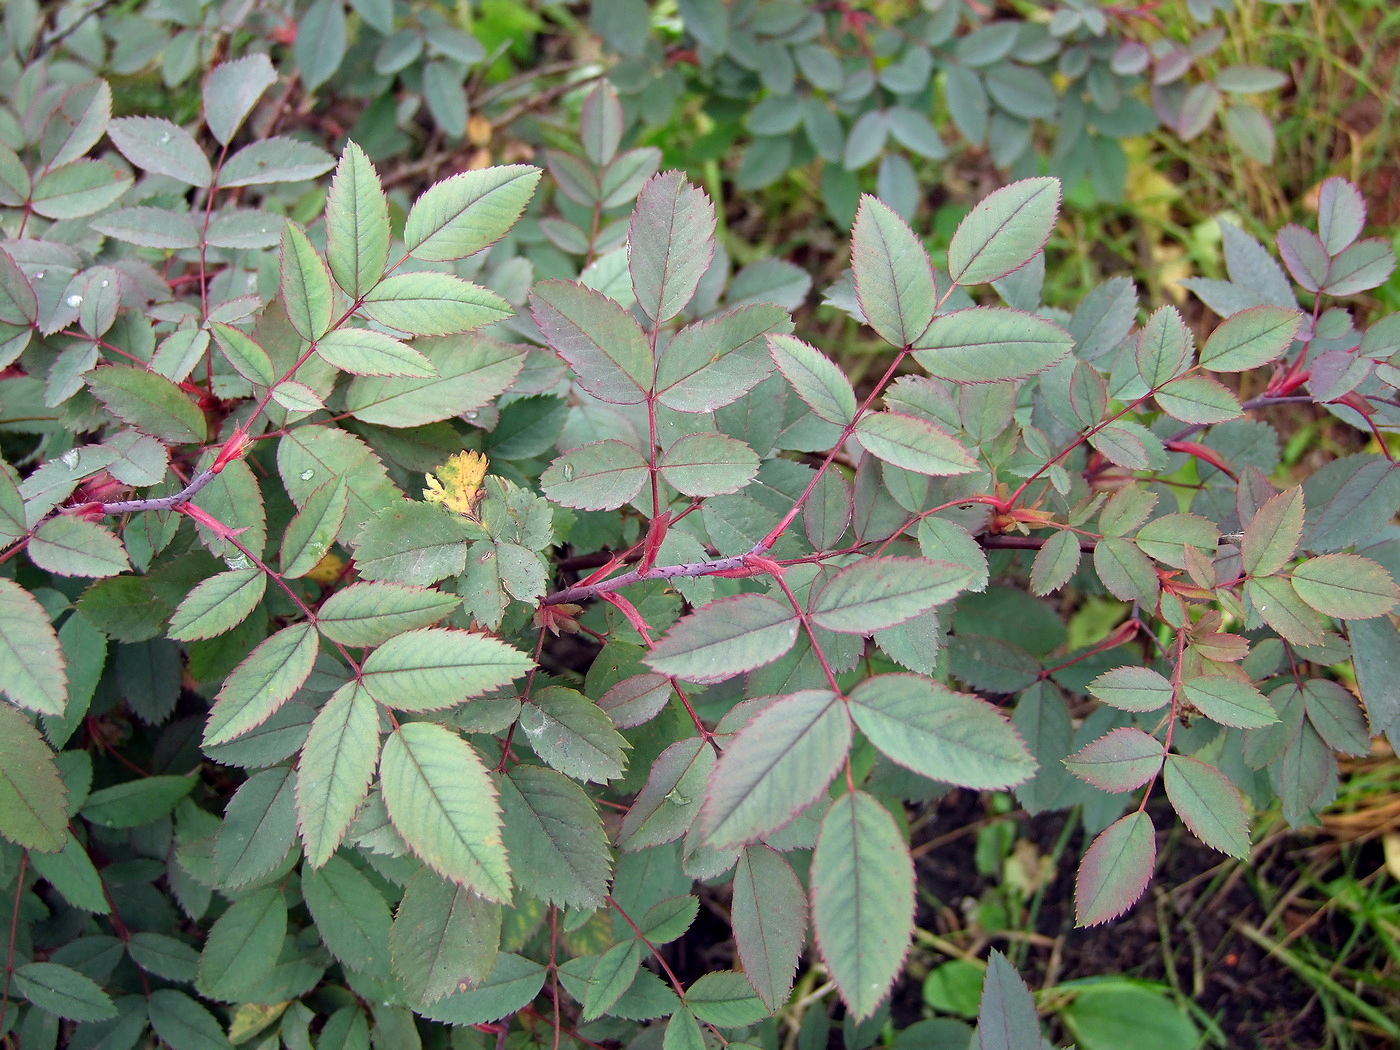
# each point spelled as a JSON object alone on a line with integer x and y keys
{"x": 1132, "y": 689}
{"x": 1341, "y": 214}
{"x": 670, "y": 242}
{"x": 607, "y": 349}
{"x": 1272, "y": 534}
{"x": 1126, "y": 444}
{"x": 1209, "y": 804}
{"x": 775, "y": 766}
{"x": 989, "y": 345}
{"x": 600, "y": 124}
{"x": 1304, "y": 256}
{"x": 636, "y": 700}
{"x": 954, "y": 737}
{"x": 1122, "y": 759}
{"x": 1366, "y": 264}
{"x": 1003, "y": 232}
{"x": 769, "y": 915}
{"x": 1115, "y": 870}
{"x": 894, "y": 279}
{"x": 600, "y": 476}
{"x": 1229, "y": 701}
{"x": 726, "y": 637}
{"x": 1346, "y": 586}
{"x": 816, "y": 379}
{"x": 862, "y": 900}
{"x": 708, "y": 464}
{"x": 913, "y": 443}
{"x": 1250, "y": 338}
{"x": 231, "y": 92}
{"x": 1375, "y": 647}
{"x": 1006, "y": 1017}
{"x": 875, "y": 593}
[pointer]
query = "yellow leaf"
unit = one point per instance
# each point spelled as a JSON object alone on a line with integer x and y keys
{"x": 457, "y": 485}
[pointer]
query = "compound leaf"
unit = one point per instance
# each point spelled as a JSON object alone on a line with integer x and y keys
{"x": 1208, "y": 803}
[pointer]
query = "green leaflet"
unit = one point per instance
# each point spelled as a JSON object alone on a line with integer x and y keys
{"x": 862, "y": 899}
{"x": 708, "y": 464}
{"x": 914, "y": 444}
{"x": 776, "y": 765}
{"x": 351, "y": 916}
{"x": 573, "y": 735}
{"x": 602, "y": 475}
{"x": 607, "y": 349}
{"x": 554, "y": 837}
{"x": 314, "y": 528}
{"x": 1163, "y": 348}
{"x": 429, "y": 303}
{"x": 32, "y": 671}
{"x": 1345, "y": 586}
{"x": 712, "y": 363}
{"x": 436, "y": 667}
{"x": 262, "y": 683}
{"x": 876, "y": 593}
{"x": 369, "y": 614}
{"x": 336, "y": 764}
{"x": 464, "y": 372}
{"x": 724, "y": 638}
{"x": 461, "y": 215}
{"x": 1115, "y": 870}
{"x": 413, "y": 543}
{"x": 670, "y": 242}
{"x": 32, "y": 795}
{"x": 1250, "y": 338}
{"x": 893, "y": 276}
{"x": 366, "y": 352}
{"x": 770, "y": 921}
{"x": 815, "y": 377}
{"x": 357, "y": 224}
{"x": 1003, "y": 231}
{"x": 1120, "y": 760}
{"x": 989, "y": 344}
{"x": 444, "y": 938}
{"x": 443, "y": 803}
{"x": 1211, "y": 806}
{"x": 258, "y": 829}
{"x": 953, "y": 737}
{"x": 305, "y": 285}
{"x": 63, "y": 992}
{"x": 217, "y": 604}
{"x": 243, "y": 945}
{"x": 150, "y": 403}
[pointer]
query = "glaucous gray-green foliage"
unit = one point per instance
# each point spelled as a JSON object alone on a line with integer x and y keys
{"x": 292, "y": 514}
